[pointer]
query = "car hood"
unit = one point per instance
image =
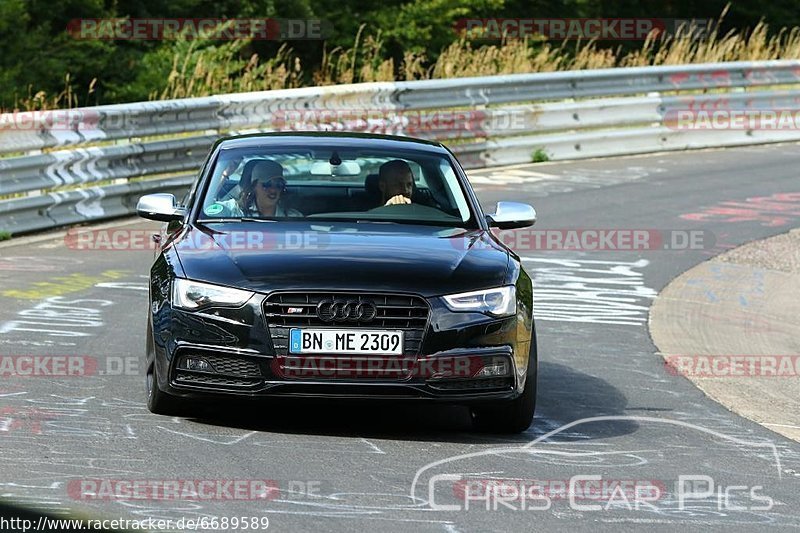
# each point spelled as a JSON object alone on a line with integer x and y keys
{"x": 426, "y": 260}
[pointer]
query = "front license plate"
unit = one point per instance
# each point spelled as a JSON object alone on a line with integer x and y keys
{"x": 344, "y": 341}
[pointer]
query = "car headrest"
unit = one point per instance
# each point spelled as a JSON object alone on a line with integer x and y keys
{"x": 247, "y": 174}
{"x": 371, "y": 184}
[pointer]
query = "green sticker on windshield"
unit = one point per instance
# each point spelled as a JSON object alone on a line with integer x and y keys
{"x": 215, "y": 209}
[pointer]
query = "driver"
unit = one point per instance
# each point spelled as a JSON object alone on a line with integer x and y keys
{"x": 396, "y": 182}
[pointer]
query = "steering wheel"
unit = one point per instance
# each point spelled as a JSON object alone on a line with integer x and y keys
{"x": 407, "y": 210}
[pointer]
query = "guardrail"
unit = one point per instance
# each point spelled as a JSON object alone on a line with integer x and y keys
{"x": 68, "y": 166}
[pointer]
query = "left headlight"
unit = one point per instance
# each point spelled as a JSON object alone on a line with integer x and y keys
{"x": 501, "y": 301}
{"x": 191, "y": 295}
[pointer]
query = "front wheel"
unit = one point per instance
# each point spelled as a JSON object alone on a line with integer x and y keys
{"x": 158, "y": 401}
{"x": 510, "y": 416}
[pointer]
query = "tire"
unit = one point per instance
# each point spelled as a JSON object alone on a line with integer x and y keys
{"x": 510, "y": 416}
{"x": 158, "y": 401}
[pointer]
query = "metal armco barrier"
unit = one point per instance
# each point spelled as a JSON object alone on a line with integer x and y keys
{"x": 69, "y": 166}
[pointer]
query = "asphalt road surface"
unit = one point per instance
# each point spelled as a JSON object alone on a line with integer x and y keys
{"x": 634, "y": 444}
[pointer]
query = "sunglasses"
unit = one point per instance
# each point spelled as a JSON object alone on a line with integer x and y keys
{"x": 274, "y": 183}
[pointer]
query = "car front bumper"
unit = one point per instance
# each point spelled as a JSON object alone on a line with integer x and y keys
{"x": 244, "y": 356}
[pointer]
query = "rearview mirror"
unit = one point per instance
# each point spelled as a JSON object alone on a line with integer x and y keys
{"x": 510, "y": 215}
{"x": 345, "y": 168}
{"x": 159, "y": 206}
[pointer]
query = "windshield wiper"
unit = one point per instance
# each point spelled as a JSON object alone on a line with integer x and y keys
{"x": 235, "y": 219}
{"x": 252, "y": 219}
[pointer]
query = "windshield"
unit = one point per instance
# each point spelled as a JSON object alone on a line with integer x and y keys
{"x": 335, "y": 184}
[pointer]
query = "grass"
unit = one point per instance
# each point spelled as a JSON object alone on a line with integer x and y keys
{"x": 41, "y": 101}
{"x": 219, "y": 69}
{"x": 5, "y": 235}
{"x": 199, "y": 69}
{"x": 539, "y": 156}
{"x": 216, "y": 70}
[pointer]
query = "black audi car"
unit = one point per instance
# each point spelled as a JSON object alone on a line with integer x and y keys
{"x": 339, "y": 265}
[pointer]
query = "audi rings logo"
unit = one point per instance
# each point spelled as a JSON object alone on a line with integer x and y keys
{"x": 350, "y": 311}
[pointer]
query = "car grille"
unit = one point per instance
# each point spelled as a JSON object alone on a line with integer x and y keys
{"x": 233, "y": 365}
{"x": 406, "y": 312}
{"x": 358, "y": 367}
{"x": 471, "y": 384}
{"x": 220, "y": 381}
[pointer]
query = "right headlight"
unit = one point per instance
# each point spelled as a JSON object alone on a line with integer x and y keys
{"x": 191, "y": 295}
{"x": 501, "y": 301}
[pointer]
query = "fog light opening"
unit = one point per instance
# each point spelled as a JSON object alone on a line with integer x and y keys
{"x": 494, "y": 369}
{"x": 197, "y": 364}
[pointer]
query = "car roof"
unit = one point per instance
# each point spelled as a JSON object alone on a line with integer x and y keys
{"x": 344, "y": 140}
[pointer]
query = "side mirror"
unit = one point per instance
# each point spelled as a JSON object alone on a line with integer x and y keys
{"x": 510, "y": 215}
{"x": 161, "y": 207}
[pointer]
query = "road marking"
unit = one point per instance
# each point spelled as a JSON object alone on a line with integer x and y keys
{"x": 373, "y": 446}
{"x": 513, "y": 176}
{"x": 590, "y": 292}
{"x": 124, "y": 285}
{"x": 229, "y": 442}
{"x": 62, "y": 285}
{"x": 60, "y": 313}
{"x": 772, "y": 211}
